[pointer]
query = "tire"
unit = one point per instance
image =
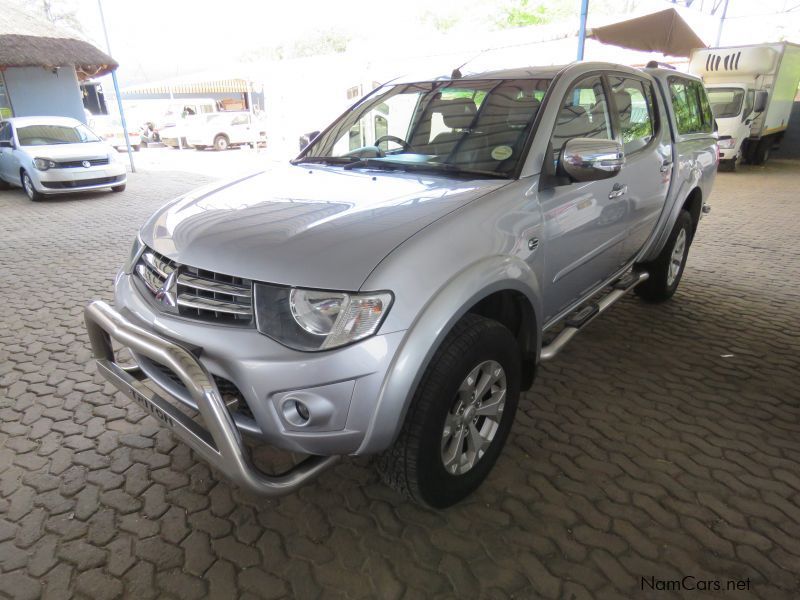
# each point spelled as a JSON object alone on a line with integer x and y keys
{"x": 199, "y": 147}
{"x": 29, "y": 189}
{"x": 118, "y": 188}
{"x": 761, "y": 153}
{"x": 729, "y": 165}
{"x": 137, "y": 147}
{"x": 221, "y": 142}
{"x": 663, "y": 281}
{"x": 4, "y": 185}
{"x": 415, "y": 465}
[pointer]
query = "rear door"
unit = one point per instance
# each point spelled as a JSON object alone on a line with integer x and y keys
{"x": 648, "y": 156}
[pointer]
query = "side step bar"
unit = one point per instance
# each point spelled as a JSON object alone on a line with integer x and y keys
{"x": 586, "y": 314}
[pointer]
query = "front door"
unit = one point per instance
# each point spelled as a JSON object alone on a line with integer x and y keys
{"x": 6, "y": 153}
{"x": 585, "y": 222}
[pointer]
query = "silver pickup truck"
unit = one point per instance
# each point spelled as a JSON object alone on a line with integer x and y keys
{"x": 392, "y": 290}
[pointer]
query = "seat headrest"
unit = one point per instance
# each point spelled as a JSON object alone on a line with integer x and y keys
{"x": 623, "y": 100}
{"x": 457, "y": 113}
{"x": 568, "y": 113}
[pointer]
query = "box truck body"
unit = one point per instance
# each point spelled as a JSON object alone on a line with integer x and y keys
{"x": 751, "y": 89}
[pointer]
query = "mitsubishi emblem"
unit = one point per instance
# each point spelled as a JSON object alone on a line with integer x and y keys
{"x": 168, "y": 293}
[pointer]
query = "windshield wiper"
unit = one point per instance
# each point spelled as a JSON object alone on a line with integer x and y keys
{"x": 409, "y": 167}
{"x": 326, "y": 160}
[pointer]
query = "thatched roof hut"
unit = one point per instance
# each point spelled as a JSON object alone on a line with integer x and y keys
{"x": 29, "y": 41}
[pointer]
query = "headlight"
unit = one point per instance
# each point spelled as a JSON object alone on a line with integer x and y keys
{"x": 727, "y": 143}
{"x": 43, "y": 163}
{"x": 315, "y": 319}
{"x": 133, "y": 257}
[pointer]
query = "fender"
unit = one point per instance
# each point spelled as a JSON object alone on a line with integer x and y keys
{"x": 669, "y": 215}
{"x": 423, "y": 338}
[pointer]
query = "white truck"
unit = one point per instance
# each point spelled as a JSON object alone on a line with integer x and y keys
{"x": 751, "y": 90}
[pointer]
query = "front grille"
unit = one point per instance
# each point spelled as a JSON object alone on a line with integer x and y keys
{"x": 64, "y": 185}
{"x": 231, "y": 395}
{"x": 74, "y": 164}
{"x": 196, "y": 293}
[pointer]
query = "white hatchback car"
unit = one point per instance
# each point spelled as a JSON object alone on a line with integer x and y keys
{"x": 56, "y": 155}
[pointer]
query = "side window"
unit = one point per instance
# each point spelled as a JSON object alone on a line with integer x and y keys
{"x": 381, "y": 126}
{"x": 748, "y": 104}
{"x": 690, "y": 103}
{"x": 583, "y": 114}
{"x": 240, "y": 120}
{"x": 705, "y": 108}
{"x": 634, "y": 102}
{"x": 5, "y": 132}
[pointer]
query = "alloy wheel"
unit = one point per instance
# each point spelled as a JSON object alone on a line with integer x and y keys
{"x": 473, "y": 421}
{"x": 677, "y": 257}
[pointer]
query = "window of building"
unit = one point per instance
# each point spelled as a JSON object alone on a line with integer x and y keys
{"x": 5, "y": 101}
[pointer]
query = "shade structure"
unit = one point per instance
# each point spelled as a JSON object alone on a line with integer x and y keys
{"x": 664, "y": 31}
{"x": 30, "y": 41}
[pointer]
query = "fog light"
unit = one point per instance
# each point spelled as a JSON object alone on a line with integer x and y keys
{"x": 296, "y": 412}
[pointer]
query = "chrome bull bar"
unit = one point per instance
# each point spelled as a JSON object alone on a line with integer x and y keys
{"x": 221, "y": 444}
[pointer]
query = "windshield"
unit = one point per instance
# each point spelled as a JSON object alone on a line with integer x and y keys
{"x": 43, "y": 135}
{"x": 725, "y": 102}
{"x": 475, "y": 126}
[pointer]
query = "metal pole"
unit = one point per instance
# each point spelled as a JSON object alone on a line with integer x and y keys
{"x": 582, "y": 30}
{"x": 721, "y": 22}
{"x": 116, "y": 90}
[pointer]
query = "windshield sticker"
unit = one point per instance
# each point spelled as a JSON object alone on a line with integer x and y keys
{"x": 502, "y": 152}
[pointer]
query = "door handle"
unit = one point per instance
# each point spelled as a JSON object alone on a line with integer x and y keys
{"x": 666, "y": 165}
{"x": 617, "y": 191}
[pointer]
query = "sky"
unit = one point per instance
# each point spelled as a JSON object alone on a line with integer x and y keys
{"x": 161, "y": 39}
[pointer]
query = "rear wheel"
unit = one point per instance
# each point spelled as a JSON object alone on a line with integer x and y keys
{"x": 118, "y": 188}
{"x": 30, "y": 189}
{"x": 460, "y": 416}
{"x": 137, "y": 148}
{"x": 667, "y": 269}
{"x": 198, "y": 147}
{"x": 221, "y": 142}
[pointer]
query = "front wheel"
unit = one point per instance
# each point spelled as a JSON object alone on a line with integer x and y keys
{"x": 460, "y": 416}
{"x": 221, "y": 143}
{"x": 667, "y": 269}
{"x": 118, "y": 188}
{"x": 30, "y": 189}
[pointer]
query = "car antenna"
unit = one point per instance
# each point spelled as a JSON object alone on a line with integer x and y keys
{"x": 456, "y": 74}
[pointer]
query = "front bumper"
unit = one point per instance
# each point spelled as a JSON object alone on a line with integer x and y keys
{"x": 60, "y": 181}
{"x": 221, "y": 443}
{"x": 343, "y": 385}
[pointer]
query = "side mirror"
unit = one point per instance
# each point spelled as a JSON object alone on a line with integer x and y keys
{"x": 760, "y": 103}
{"x": 307, "y": 138}
{"x": 586, "y": 159}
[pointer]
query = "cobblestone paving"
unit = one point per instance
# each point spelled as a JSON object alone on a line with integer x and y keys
{"x": 664, "y": 442}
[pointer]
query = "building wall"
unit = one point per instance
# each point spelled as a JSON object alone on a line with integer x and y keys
{"x": 36, "y": 91}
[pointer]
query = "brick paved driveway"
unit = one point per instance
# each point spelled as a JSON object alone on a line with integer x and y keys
{"x": 664, "y": 442}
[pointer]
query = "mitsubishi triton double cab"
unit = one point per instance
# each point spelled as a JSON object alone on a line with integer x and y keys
{"x": 392, "y": 290}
